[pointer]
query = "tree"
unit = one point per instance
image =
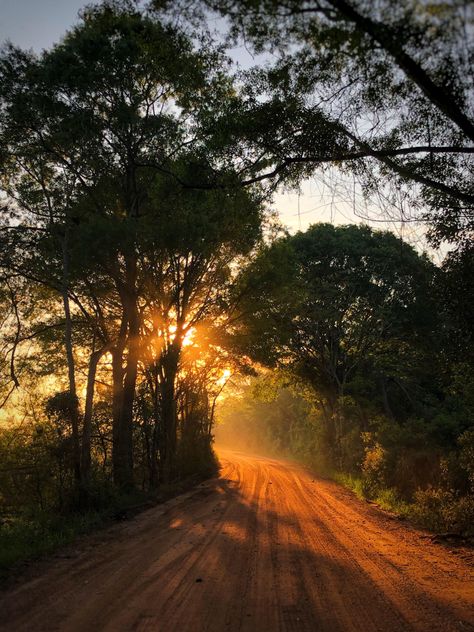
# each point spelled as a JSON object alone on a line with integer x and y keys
{"x": 84, "y": 106}
{"x": 384, "y": 91}
{"x": 192, "y": 242}
{"x": 336, "y": 305}
{"x": 95, "y": 134}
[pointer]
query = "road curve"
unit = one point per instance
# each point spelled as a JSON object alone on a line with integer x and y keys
{"x": 265, "y": 547}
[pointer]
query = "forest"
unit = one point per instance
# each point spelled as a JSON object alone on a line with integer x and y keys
{"x": 152, "y": 300}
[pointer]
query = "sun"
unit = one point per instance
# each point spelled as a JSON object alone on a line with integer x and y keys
{"x": 188, "y": 338}
{"x": 226, "y": 373}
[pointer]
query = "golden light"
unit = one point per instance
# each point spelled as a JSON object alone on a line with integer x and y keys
{"x": 226, "y": 373}
{"x": 188, "y": 338}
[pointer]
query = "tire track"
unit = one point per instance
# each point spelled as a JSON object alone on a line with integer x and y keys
{"x": 266, "y": 547}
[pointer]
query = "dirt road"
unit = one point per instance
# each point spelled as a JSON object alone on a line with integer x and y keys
{"x": 264, "y": 548}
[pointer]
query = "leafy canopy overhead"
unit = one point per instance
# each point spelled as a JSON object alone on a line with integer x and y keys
{"x": 383, "y": 90}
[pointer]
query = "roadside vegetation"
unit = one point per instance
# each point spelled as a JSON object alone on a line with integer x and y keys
{"x": 363, "y": 376}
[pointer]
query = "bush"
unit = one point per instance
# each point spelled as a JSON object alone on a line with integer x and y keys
{"x": 461, "y": 515}
{"x": 442, "y": 510}
{"x": 25, "y": 538}
{"x": 430, "y": 507}
{"x": 374, "y": 467}
{"x": 196, "y": 458}
{"x": 466, "y": 457}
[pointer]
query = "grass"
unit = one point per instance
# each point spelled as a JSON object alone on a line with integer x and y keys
{"x": 27, "y": 537}
{"x": 387, "y": 499}
{"x": 353, "y": 483}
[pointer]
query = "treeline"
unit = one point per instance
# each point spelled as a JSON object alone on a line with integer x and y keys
{"x": 371, "y": 369}
{"x": 116, "y": 276}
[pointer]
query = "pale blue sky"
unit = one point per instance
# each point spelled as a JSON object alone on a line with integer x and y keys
{"x": 36, "y": 23}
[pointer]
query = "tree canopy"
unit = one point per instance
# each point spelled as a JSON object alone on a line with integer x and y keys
{"x": 97, "y": 135}
{"x": 384, "y": 91}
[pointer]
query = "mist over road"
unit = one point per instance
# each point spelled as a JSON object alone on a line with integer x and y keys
{"x": 265, "y": 547}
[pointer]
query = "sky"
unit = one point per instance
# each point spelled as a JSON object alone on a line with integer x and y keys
{"x": 38, "y": 24}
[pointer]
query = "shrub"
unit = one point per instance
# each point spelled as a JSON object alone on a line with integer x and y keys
{"x": 374, "y": 467}
{"x": 443, "y": 510}
{"x": 461, "y": 515}
{"x": 431, "y": 508}
{"x": 466, "y": 457}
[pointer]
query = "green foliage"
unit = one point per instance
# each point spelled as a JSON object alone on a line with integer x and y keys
{"x": 29, "y": 538}
{"x": 443, "y": 511}
{"x": 373, "y": 467}
{"x": 356, "y": 316}
{"x": 61, "y": 406}
{"x": 197, "y": 459}
{"x": 381, "y": 91}
{"x": 33, "y": 533}
{"x": 347, "y": 310}
{"x": 132, "y": 216}
{"x": 131, "y": 171}
{"x": 466, "y": 457}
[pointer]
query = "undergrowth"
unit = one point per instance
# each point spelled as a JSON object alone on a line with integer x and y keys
{"x": 26, "y": 538}
{"x": 33, "y": 534}
{"x": 434, "y": 509}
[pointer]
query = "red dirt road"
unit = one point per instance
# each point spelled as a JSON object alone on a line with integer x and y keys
{"x": 266, "y": 547}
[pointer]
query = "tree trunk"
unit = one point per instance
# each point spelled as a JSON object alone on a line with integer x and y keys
{"x": 88, "y": 410}
{"x": 125, "y": 381}
{"x": 117, "y": 398}
{"x": 70, "y": 361}
{"x": 168, "y": 415}
{"x": 126, "y": 415}
{"x": 155, "y": 427}
{"x": 386, "y": 404}
{"x": 117, "y": 380}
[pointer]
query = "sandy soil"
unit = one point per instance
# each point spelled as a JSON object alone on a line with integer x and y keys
{"x": 266, "y": 547}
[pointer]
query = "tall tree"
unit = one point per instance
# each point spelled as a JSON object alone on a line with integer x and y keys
{"x": 110, "y": 107}
{"x": 337, "y": 304}
{"x": 192, "y": 242}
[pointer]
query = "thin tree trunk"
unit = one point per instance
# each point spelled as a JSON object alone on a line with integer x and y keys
{"x": 70, "y": 360}
{"x": 155, "y": 427}
{"x": 126, "y": 417}
{"x": 168, "y": 442}
{"x": 117, "y": 403}
{"x": 386, "y": 404}
{"x": 117, "y": 398}
{"x": 88, "y": 411}
{"x": 128, "y": 396}
{"x": 168, "y": 416}
{"x": 125, "y": 380}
